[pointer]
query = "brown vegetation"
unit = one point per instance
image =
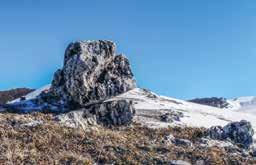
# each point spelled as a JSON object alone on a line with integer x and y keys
{"x": 51, "y": 143}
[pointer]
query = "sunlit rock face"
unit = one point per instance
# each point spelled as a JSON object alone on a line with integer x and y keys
{"x": 92, "y": 72}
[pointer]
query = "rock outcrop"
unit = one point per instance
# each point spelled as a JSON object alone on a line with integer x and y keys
{"x": 218, "y": 102}
{"x": 91, "y": 72}
{"x": 91, "y": 75}
{"x": 238, "y": 132}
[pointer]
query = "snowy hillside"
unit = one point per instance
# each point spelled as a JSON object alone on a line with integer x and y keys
{"x": 150, "y": 106}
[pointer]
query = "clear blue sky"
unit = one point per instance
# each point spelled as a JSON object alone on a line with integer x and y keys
{"x": 179, "y": 48}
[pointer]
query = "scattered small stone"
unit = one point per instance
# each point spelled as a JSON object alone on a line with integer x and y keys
{"x": 179, "y": 162}
{"x": 183, "y": 142}
{"x": 170, "y": 139}
{"x": 32, "y": 123}
{"x": 171, "y": 116}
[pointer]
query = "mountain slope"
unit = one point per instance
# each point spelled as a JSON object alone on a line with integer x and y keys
{"x": 150, "y": 109}
{"x": 32, "y": 94}
{"x": 8, "y": 95}
{"x": 196, "y": 115}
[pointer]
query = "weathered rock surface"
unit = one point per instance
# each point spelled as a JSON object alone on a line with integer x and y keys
{"x": 238, "y": 132}
{"x": 91, "y": 72}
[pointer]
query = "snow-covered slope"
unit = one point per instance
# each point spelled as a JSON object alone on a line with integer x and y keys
{"x": 149, "y": 106}
{"x": 33, "y": 94}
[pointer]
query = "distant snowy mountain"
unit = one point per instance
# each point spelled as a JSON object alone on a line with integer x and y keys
{"x": 244, "y": 104}
{"x": 218, "y": 102}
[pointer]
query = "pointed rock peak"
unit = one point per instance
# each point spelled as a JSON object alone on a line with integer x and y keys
{"x": 92, "y": 72}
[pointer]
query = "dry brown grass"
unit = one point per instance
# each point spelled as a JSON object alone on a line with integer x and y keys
{"x": 51, "y": 143}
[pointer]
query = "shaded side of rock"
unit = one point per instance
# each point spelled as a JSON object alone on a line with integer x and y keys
{"x": 115, "y": 112}
{"x": 109, "y": 113}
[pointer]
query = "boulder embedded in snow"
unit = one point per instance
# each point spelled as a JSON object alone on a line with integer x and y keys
{"x": 238, "y": 132}
{"x": 92, "y": 72}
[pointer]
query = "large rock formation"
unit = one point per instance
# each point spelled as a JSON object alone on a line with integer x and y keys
{"x": 91, "y": 75}
{"x": 91, "y": 72}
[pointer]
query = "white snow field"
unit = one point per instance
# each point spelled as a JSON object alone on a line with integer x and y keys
{"x": 149, "y": 106}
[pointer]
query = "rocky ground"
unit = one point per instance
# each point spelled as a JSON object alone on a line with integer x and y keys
{"x": 37, "y": 138}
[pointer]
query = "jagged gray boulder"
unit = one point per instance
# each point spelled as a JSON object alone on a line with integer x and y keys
{"x": 91, "y": 72}
{"x": 238, "y": 132}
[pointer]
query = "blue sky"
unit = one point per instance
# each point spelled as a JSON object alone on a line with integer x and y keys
{"x": 179, "y": 48}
